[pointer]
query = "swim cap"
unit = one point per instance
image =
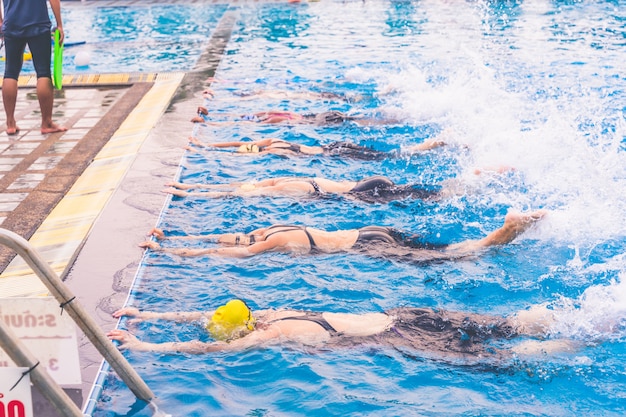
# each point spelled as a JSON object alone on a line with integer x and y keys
{"x": 248, "y": 148}
{"x": 230, "y": 319}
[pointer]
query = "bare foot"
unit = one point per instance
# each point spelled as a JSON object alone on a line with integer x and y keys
{"x": 499, "y": 169}
{"x": 13, "y": 130}
{"x": 515, "y": 223}
{"x": 427, "y": 145}
{"x": 197, "y": 119}
{"x": 52, "y": 128}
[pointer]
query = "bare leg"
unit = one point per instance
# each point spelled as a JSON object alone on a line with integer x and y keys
{"x": 535, "y": 321}
{"x": 45, "y": 94}
{"x": 546, "y": 347}
{"x": 426, "y": 145}
{"x": 9, "y": 98}
{"x": 515, "y": 223}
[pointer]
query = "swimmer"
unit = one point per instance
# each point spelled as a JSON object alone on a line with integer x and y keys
{"x": 376, "y": 241}
{"x": 335, "y": 149}
{"x": 372, "y": 189}
{"x": 278, "y": 116}
{"x": 438, "y": 334}
{"x": 281, "y": 95}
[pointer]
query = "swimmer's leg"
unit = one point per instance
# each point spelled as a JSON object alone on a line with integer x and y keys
{"x": 545, "y": 347}
{"x": 515, "y": 223}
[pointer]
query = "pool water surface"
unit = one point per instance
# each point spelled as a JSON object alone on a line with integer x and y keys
{"x": 536, "y": 86}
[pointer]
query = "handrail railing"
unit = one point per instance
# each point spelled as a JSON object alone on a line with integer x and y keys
{"x": 84, "y": 321}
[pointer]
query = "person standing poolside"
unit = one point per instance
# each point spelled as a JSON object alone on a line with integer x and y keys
{"x": 26, "y": 22}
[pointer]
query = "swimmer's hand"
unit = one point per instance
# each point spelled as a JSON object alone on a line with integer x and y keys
{"x": 150, "y": 244}
{"x": 196, "y": 141}
{"x": 157, "y": 233}
{"x": 208, "y": 93}
{"x": 176, "y": 192}
{"x": 179, "y": 185}
{"x": 134, "y": 312}
{"x": 127, "y": 340}
{"x": 127, "y": 312}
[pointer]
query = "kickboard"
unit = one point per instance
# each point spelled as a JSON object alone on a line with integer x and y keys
{"x": 57, "y": 66}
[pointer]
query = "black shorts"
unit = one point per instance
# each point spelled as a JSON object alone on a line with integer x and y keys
{"x": 40, "y": 48}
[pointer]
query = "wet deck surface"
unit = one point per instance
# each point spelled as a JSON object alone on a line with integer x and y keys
{"x": 84, "y": 198}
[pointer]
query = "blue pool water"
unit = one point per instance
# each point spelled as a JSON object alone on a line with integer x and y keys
{"x": 538, "y": 86}
{"x": 132, "y": 37}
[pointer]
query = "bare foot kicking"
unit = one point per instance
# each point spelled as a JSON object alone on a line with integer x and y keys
{"x": 427, "y": 145}
{"x": 52, "y": 128}
{"x": 499, "y": 169}
{"x": 515, "y": 223}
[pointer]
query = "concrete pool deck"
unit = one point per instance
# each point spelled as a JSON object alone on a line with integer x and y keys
{"x": 85, "y": 198}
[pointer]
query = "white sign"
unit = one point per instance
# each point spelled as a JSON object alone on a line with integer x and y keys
{"x": 16, "y": 402}
{"x": 49, "y": 336}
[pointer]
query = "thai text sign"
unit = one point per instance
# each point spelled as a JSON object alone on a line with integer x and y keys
{"x": 15, "y": 400}
{"x": 49, "y": 336}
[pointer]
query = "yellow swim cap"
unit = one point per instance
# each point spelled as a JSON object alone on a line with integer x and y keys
{"x": 248, "y": 148}
{"x": 230, "y": 319}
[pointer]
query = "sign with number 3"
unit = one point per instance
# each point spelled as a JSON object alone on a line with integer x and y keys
{"x": 15, "y": 400}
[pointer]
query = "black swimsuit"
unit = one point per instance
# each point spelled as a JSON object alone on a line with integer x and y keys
{"x": 351, "y": 150}
{"x": 369, "y": 234}
{"x": 382, "y": 189}
{"x": 443, "y": 335}
{"x": 289, "y": 228}
{"x": 293, "y": 147}
{"x": 316, "y": 318}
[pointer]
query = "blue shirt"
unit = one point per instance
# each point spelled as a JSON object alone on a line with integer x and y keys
{"x": 26, "y": 18}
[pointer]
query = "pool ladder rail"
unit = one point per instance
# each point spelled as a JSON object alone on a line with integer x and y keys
{"x": 23, "y": 358}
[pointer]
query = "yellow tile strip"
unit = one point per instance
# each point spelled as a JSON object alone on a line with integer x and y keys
{"x": 62, "y": 233}
{"x": 94, "y": 79}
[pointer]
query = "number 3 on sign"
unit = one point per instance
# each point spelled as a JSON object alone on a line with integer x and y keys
{"x": 16, "y": 402}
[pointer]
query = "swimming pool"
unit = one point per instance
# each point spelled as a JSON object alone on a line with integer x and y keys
{"x": 535, "y": 86}
{"x": 123, "y": 37}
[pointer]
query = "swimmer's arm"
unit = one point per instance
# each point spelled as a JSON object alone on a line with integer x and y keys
{"x": 159, "y": 234}
{"x": 129, "y": 341}
{"x": 207, "y": 194}
{"x": 227, "y": 144}
{"x": 183, "y": 186}
{"x": 233, "y": 252}
{"x": 180, "y": 316}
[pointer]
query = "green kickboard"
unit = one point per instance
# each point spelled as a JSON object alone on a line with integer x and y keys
{"x": 57, "y": 66}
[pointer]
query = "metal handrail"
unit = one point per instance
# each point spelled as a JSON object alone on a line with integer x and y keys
{"x": 83, "y": 320}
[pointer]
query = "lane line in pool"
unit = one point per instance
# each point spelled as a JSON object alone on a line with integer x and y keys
{"x": 62, "y": 234}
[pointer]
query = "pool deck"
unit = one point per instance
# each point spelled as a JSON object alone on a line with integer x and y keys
{"x": 86, "y": 197}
